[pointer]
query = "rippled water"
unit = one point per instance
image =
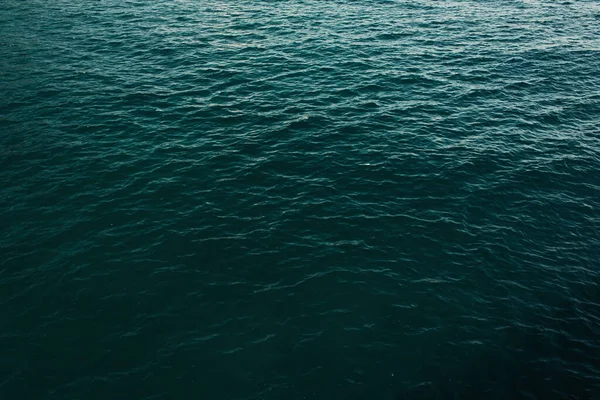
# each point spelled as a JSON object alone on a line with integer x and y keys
{"x": 299, "y": 200}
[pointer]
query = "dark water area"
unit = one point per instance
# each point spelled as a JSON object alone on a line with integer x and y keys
{"x": 293, "y": 200}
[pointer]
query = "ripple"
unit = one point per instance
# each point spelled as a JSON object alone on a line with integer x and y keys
{"x": 366, "y": 199}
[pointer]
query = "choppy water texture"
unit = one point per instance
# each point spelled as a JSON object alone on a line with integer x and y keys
{"x": 349, "y": 200}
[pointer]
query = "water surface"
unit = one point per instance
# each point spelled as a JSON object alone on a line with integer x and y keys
{"x": 299, "y": 200}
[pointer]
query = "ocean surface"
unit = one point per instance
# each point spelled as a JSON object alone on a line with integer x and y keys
{"x": 303, "y": 199}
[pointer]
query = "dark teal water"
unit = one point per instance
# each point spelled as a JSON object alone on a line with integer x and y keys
{"x": 349, "y": 200}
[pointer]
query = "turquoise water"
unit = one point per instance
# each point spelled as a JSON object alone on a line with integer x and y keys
{"x": 349, "y": 200}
